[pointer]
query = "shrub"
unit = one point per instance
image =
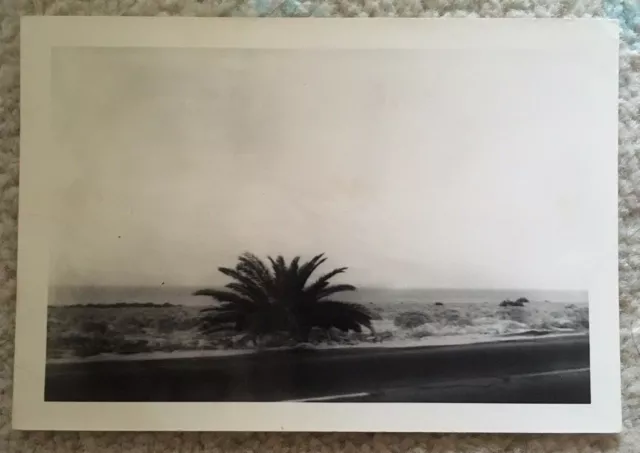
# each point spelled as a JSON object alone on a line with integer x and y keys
{"x": 419, "y": 334}
{"x": 514, "y": 313}
{"x": 95, "y": 327}
{"x": 84, "y": 345}
{"x": 455, "y": 318}
{"x": 383, "y": 336}
{"x": 510, "y": 303}
{"x": 132, "y": 347}
{"x": 411, "y": 319}
{"x": 166, "y": 325}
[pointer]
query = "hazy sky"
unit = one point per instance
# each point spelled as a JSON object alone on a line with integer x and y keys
{"x": 415, "y": 169}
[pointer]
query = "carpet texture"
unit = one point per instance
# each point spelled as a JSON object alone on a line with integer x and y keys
{"x": 628, "y": 13}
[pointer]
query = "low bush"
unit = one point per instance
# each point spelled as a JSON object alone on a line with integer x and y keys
{"x": 411, "y": 319}
{"x": 514, "y": 313}
{"x": 510, "y": 303}
{"x": 419, "y": 334}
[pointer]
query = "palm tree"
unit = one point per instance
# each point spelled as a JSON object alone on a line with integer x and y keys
{"x": 264, "y": 299}
{"x": 246, "y": 304}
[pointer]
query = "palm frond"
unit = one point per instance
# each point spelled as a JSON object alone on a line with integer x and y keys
{"x": 254, "y": 268}
{"x": 323, "y": 281}
{"x": 279, "y": 267}
{"x": 256, "y": 295}
{"x": 308, "y": 268}
{"x": 247, "y": 306}
{"x": 221, "y": 318}
{"x": 341, "y": 315}
{"x": 244, "y": 284}
{"x": 293, "y": 267}
{"x": 239, "y": 276}
{"x": 333, "y": 289}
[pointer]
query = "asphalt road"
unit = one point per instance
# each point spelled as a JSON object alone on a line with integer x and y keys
{"x": 544, "y": 370}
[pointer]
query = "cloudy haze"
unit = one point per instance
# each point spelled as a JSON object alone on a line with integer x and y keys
{"x": 415, "y": 169}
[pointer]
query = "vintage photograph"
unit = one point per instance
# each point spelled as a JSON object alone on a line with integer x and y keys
{"x": 375, "y": 227}
{"x": 309, "y": 286}
{"x": 277, "y": 332}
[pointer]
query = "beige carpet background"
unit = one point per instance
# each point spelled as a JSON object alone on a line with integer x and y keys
{"x": 627, "y": 12}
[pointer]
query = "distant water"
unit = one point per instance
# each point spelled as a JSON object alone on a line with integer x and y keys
{"x": 183, "y": 295}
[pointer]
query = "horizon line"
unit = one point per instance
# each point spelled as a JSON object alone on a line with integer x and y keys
{"x": 432, "y": 288}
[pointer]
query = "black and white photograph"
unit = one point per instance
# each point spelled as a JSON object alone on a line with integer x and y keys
{"x": 277, "y": 332}
{"x": 325, "y": 225}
